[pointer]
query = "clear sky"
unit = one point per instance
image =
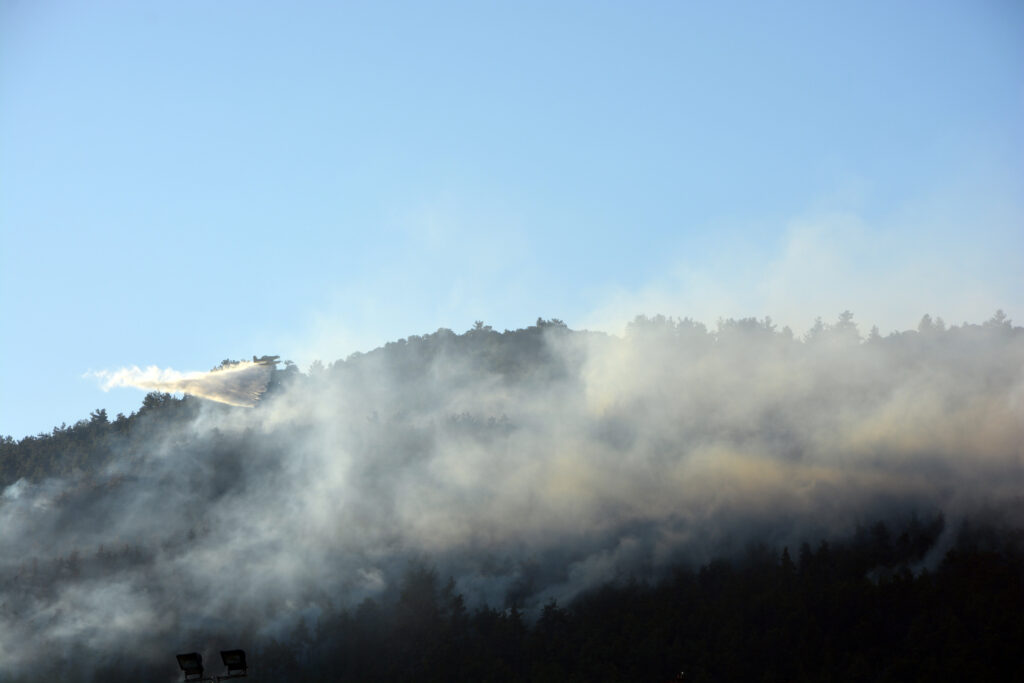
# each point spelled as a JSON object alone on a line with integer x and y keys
{"x": 183, "y": 182}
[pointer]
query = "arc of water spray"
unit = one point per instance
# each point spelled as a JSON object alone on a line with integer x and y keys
{"x": 237, "y": 385}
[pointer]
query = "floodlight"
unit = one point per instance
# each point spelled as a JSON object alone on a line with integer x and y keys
{"x": 192, "y": 664}
{"x": 234, "y": 660}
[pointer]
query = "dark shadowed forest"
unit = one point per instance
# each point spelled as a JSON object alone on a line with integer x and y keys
{"x": 543, "y": 504}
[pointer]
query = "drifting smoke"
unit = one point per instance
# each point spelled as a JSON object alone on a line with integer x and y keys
{"x": 526, "y": 465}
{"x": 236, "y": 385}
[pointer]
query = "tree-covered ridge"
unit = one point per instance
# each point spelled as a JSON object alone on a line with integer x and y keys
{"x": 85, "y": 447}
{"x": 87, "y": 444}
{"x": 533, "y": 466}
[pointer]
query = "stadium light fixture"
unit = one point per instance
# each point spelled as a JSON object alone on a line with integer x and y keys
{"x": 192, "y": 664}
{"x": 234, "y": 661}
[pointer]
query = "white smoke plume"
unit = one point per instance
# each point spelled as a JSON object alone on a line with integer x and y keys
{"x": 236, "y": 385}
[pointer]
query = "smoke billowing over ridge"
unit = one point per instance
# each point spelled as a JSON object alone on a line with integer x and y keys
{"x": 239, "y": 385}
{"x": 527, "y": 465}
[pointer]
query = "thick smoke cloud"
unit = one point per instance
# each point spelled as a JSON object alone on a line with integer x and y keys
{"x": 240, "y": 385}
{"x": 527, "y": 466}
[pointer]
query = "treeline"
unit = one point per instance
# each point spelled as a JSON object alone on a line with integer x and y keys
{"x": 89, "y": 444}
{"x": 84, "y": 448}
{"x": 515, "y": 356}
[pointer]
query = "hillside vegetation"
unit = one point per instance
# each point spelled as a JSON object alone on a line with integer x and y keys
{"x": 543, "y": 504}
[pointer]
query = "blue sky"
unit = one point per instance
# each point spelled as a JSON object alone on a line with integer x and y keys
{"x": 182, "y": 182}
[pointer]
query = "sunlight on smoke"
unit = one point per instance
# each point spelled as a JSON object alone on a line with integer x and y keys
{"x": 237, "y": 385}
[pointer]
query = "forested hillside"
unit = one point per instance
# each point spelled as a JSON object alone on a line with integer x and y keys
{"x": 543, "y": 504}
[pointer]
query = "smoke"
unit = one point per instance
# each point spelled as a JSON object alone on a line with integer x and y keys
{"x": 236, "y": 385}
{"x": 526, "y": 465}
